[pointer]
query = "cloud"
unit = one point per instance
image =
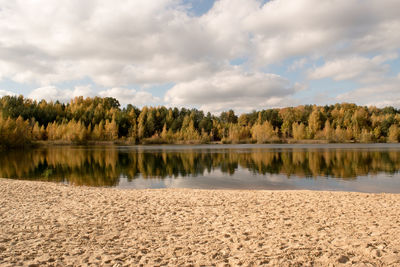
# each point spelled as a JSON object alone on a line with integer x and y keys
{"x": 52, "y": 93}
{"x": 298, "y": 64}
{"x": 357, "y": 68}
{"x": 380, "y": 94}
{"x": 143, "y": 43}
{"x": 5, "y": 92}
{"x": 283, "y": 29}
{"x": 243, "y": 91}
{"x": 123, "y": 95}
{"x": 130, "y": 96}
{"x": 132, "y": 42}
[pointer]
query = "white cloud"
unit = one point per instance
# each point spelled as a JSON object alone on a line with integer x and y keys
{"x": 5, "y": 92}
{"x": 232, "y": 89}
{"x": 298, "y": 64}
{"x": 82, "y": 90}
{"x": 148, "y": 42}
{"x": 132, "y": 42}
{"x": 141, "y": 43}
{"x": 130, "y": 96}
{"x": 52, "y": 93}
{"x": 284, "y": 28}
{"x": 363, "y": 69}
{"x": 379, "y": 94}
{"x": 123, "y": 95}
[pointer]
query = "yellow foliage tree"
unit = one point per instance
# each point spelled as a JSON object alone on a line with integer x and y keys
{"x": 328, "y": 132}
{"x": 14, "y": 133}
{"x": 340, "y": 134}
{"x": 264, "y": 133}
{"x": 394, "y": 134}
{"x": 299, "y": 131}
{"x": 366, "y": 136}
{"x": 314, "y": 122}
{"x": 111, "y": 130}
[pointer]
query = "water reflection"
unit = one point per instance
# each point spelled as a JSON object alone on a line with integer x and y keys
{"x": 105, "y": 166}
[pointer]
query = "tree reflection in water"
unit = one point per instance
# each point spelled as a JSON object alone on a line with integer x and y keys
{"x": 105, "y": 165}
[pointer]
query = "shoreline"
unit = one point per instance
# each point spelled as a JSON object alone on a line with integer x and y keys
{"x": 219, "y": 144}
{"x": 43, "y": 144}
{"x": 196, "y": 142}
{"x": 55, "y": 224}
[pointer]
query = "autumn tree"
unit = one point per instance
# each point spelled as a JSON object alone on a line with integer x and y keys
{"x": 299, "y": 131}
{"x": 111, "y": 130}
{"x": 394, "y": 134}
{"x": 264, "y": 133}
{"x": 328, "y": 132}
{"x": 314, "y": 122}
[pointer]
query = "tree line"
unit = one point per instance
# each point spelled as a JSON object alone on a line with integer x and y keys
{"x": 24, "y": 121}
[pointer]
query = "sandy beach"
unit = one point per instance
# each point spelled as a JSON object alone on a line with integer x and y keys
{"x": 58, "y": 225}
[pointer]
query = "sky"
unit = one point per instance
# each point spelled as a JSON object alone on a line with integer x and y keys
{"x": 213, "y": 55}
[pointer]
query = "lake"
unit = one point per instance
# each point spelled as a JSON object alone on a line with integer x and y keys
{"x": 345, "y": 167}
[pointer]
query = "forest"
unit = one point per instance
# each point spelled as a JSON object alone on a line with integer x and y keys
{"x": 25, "y": 122}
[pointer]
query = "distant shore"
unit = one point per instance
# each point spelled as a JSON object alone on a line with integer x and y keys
{"x": 54, "y": 224}
{"x": 39, "y": 144}
{"x": 194, "y": 142}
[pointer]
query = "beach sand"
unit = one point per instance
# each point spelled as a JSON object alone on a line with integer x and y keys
{"x": 59, "y": 225}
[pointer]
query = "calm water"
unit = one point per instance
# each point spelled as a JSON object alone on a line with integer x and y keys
{"x": 366, "y": 168}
